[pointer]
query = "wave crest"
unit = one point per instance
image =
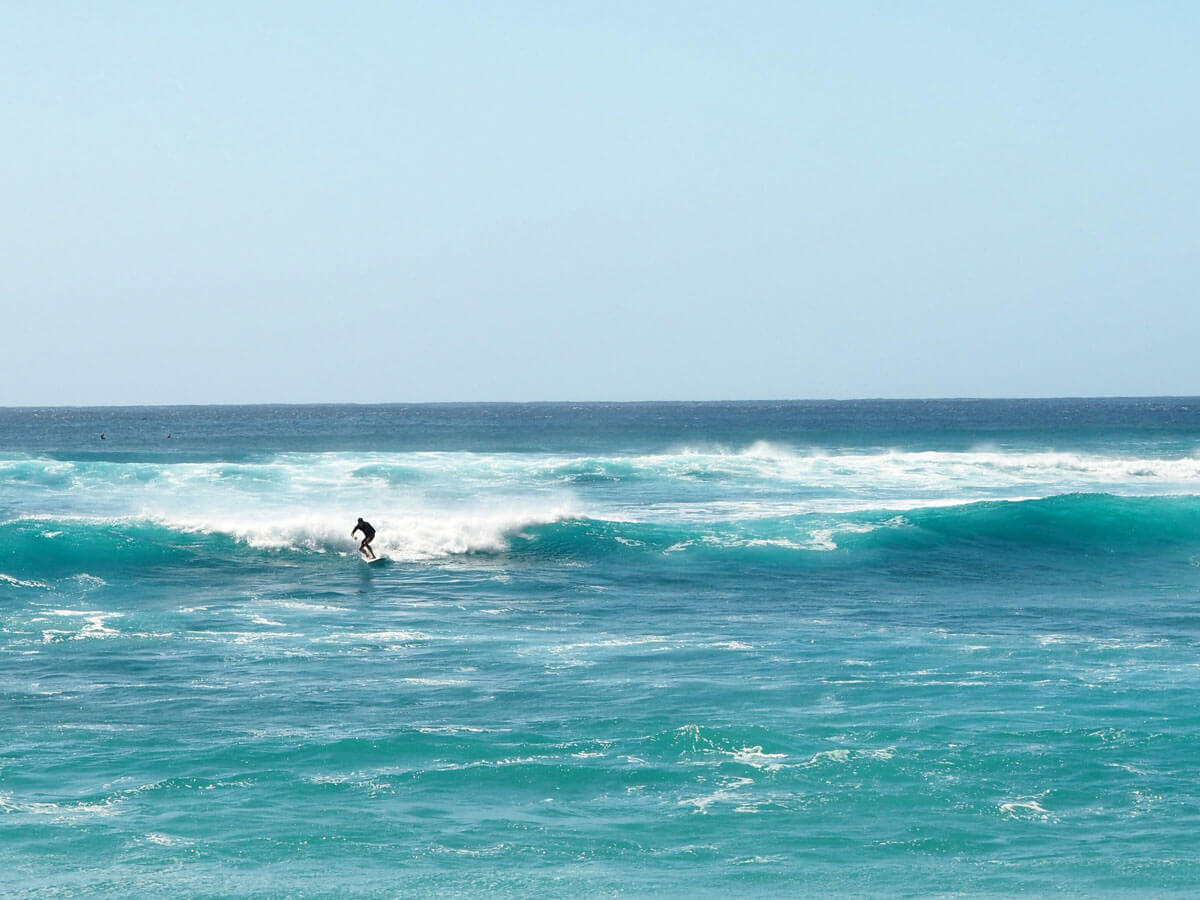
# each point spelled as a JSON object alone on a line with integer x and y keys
{"x": 1073, "y": 526}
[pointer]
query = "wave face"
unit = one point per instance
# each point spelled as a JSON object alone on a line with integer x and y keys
{"x": 644, "y": 649}
{"x": 430, "y": 505}
{"x": 1092, "y": 530}
{"x": 1014, "y": 531}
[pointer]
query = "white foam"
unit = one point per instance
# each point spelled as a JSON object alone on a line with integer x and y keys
{"x": 841, "y": 755}
{"x": 500, "y": 849}
{"x": 17, "y": 582}
{"x": 95, "y": 624}
{"x": 611, "y": 642}
{"x": 166, "y": 840}
{"x": 757, "y": 860}
{"x": 304, "y": 606}
{"x": 381, "y": 637}
{"x": 1025, "y": 809}
{"x": 419, "y": 535}
{"x": 433, "y": 505}
{"x": 460, "y": 729}
{"x": 493, "y": 763}
{"x": 754, "y": 756}
{"x": 724, "y": 794}
{"x": 95, "y": 627}
{"x": 63, "y": 812}
{"x": 363, "y": 481}
{"x": 74, "y": 612}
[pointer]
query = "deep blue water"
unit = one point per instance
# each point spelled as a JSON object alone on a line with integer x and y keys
{"x": 873, "y": 648}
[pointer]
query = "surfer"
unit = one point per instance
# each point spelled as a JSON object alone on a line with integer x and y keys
{"x": 368, "y": 535}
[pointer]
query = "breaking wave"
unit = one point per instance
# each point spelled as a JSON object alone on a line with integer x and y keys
{"x": 1072, "y": 527}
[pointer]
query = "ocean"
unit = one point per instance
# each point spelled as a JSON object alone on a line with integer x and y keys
{"x": 870, "y": 649}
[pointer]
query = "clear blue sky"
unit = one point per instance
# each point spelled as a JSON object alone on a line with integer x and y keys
{"x": 294, "y": 202}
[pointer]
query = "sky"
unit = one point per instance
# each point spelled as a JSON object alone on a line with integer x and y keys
{"x": 301, "y": 202}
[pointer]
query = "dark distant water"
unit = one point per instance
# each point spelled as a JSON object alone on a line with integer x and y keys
{"x": 873, "y": 648}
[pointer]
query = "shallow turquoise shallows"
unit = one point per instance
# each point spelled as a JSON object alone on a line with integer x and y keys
{"x": 770, "y": 649}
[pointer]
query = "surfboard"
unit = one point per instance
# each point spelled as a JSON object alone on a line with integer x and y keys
{"x": 368, "y": 559}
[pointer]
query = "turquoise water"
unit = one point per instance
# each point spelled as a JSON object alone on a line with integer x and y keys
{"x": 870, "y": 649}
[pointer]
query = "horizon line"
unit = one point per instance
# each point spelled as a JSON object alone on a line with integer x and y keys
{"x": 384, "y": 403}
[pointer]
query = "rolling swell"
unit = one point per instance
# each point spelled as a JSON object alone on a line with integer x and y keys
{"x": 1067, "y": 526}
{"x": 1095, "y": 523}
{"x": 47, "y": 548}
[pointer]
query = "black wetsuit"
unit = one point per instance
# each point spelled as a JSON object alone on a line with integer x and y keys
{"x": 366, "y": 529}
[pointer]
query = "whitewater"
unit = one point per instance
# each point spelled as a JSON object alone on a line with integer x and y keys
{"x": 873, "y": 648}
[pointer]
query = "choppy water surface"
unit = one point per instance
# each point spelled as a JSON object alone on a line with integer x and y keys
{"x": 886, "y": 649}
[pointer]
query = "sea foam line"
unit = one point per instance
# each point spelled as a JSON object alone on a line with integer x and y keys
{"x": 428, "y": 534}
{"x": 17, "y": 582}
